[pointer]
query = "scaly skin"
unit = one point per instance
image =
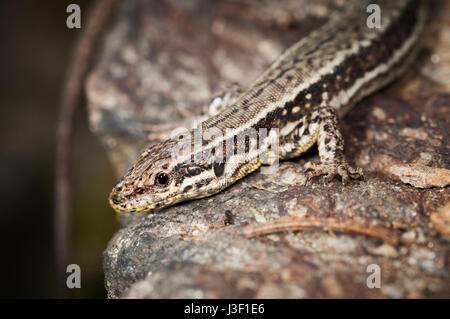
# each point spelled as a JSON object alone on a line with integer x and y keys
{"x": 291, "y": 106}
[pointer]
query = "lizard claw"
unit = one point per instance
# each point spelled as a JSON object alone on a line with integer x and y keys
{"x": 344, "y": 170}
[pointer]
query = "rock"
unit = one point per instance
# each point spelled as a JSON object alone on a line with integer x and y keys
{"x": 162, "y": 59}
{"x": 385, "y": 250}
{"x": 409, "y": 237}
{"x": 421, "y": 176}
{"x": 441, "y": 220}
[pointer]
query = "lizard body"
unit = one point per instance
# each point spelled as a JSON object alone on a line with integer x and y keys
{"x": 297, "y": 102}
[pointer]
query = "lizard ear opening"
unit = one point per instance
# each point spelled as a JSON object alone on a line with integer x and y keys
{"x": 219, "y": 168}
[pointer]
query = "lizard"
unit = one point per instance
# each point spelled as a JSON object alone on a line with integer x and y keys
{"x": 298, "y": 101}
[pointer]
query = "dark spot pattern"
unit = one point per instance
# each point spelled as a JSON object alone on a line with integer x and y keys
{"x": 219, "y": 169}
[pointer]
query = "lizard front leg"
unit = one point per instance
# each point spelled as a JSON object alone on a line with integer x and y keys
{"x": 331, "y": 149}
{"x": 222, "y": 99}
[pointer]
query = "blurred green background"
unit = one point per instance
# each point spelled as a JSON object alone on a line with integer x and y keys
{"x": 35, "y": 51}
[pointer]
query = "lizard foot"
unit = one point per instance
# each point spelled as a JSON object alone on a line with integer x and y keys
{"x": 344, "y": 170}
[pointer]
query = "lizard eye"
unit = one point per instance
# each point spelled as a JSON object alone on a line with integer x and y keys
{"x": 162, "y": 178}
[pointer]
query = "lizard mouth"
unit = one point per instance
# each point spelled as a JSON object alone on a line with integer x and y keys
{"x": 131, "y": 202}
{"x": 123, "y": 205}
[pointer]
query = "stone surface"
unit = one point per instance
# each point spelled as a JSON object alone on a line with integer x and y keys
{"x": 163, "y": 59}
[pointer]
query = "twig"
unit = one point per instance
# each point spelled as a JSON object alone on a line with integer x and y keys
{"x": 311, "y": 222}
{"x": 84, "y": 49}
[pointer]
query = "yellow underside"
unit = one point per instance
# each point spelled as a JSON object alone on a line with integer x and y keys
{"x": 300, "y": 149}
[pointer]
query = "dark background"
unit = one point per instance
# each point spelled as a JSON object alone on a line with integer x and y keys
{"x": 35, "y": 51}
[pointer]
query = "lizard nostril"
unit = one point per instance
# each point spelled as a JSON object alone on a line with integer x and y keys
{"x": 116, "y": 199}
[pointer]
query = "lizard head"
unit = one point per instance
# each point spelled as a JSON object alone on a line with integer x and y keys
{"x": 158, "y": 180}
